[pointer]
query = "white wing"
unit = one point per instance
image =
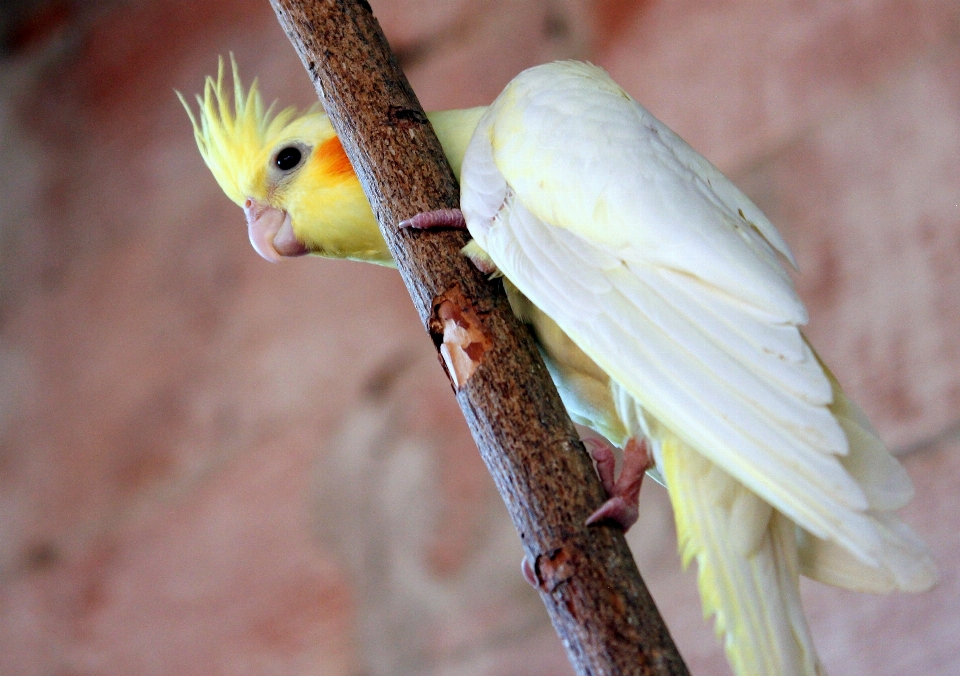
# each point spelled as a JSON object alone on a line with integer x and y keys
{"x": 667, "y": 276}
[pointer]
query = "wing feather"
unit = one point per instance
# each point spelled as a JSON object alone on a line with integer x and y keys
{"x": 651, "y": 264}
{"x": 638, "y": 188}
{"x": 710, "y": 412}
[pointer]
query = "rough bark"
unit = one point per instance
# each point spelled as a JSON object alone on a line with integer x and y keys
{"x": 587, "y": 577}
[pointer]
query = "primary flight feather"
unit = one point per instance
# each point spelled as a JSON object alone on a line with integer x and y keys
{"x": 656, "y": 292}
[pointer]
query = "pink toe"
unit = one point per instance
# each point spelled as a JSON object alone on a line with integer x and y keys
{"x": 528, "y": 574}
{"x": 431, "y": 220}
{"x": 606, "y": 462}
{"x": 616, "y": 509}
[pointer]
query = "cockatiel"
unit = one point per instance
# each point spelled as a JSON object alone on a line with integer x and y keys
{"x": 656, "y": 292}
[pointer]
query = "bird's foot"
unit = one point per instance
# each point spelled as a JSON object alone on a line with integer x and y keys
{"x": 433, "y": 220}
{"x": 450, "y": 219}
{"x": 623, "y": 505}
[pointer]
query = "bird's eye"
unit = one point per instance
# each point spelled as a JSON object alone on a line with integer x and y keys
{"x": 288, "y": 158}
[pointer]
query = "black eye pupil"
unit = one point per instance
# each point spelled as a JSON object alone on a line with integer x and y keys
{"x": 288, "y": 158}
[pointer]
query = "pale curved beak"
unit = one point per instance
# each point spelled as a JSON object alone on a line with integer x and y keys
{"x": 271, "y": 232}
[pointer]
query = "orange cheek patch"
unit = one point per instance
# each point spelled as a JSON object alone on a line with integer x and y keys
{"x": 333, "y": 158}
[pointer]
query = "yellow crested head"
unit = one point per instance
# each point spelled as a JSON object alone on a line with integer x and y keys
{"x": 235, "y": 140}
{"x": 288, "y": 172}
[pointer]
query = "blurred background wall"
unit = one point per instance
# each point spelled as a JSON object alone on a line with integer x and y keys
{"x": 212, "y": 465}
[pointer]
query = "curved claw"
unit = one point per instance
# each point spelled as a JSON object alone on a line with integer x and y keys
{"x": 623, "y": 506}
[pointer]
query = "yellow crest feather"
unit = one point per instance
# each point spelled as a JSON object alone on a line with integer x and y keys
{"x": 233, "y": 142}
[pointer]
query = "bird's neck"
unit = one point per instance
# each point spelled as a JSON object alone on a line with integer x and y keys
{"x": 454, "y": 129}
{"x": 338, "y": 221}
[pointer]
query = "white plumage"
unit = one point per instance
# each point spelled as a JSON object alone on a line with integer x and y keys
{"x": 616, "y": 235}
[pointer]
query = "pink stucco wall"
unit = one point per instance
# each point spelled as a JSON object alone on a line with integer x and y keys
{"x": 211, "y": 465}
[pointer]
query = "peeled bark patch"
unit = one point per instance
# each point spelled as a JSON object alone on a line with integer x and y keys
{"x": 460, "y": 335}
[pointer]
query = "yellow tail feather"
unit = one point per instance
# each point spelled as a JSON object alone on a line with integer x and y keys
{"x": 747, "y": 564}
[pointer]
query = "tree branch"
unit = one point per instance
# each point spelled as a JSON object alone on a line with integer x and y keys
{"x": 587, "y": 577}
